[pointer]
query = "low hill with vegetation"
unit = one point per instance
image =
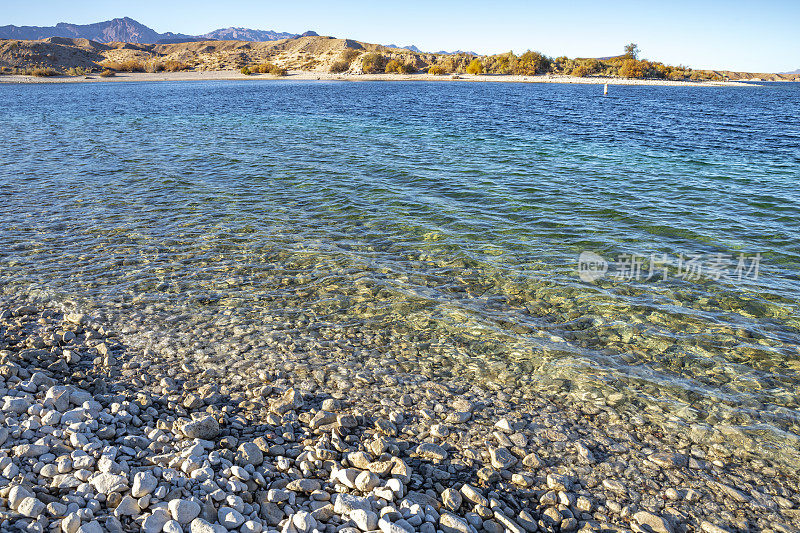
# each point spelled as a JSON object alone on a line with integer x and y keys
{"x": 59, "y": 56}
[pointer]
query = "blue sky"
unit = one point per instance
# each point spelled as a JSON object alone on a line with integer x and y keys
{"x": 734, "y": 34}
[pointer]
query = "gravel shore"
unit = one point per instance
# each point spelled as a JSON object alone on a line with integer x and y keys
{"x": 96, "y": 436}
{"x": 218, "y": 75}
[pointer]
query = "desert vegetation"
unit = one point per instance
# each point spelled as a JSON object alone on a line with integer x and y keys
{"x": 395, "y": 66}
{"x": 152, "y": 65}
{"x": 327, "y": 55}
{"x": 36, "y": 71}
{"x": 373, "y": 63}
{"x": 343, "y": 62}
{"x": 626, "y": 65}
{"x": 264, "y": 68}
{"x": 475, "y": 67}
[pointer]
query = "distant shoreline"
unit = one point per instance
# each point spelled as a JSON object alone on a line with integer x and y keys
{"x": 220, "y": 75}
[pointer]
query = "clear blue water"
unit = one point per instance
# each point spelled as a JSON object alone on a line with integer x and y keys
{"x": 436, "y": 226}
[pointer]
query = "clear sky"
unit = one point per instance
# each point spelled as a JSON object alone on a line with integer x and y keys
{"x": 751, "y": 35}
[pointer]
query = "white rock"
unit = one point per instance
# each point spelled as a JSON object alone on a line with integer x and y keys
{"x": 143, "y": 483}
{"x": 16, "y": 495}
{"x": 31, "y": 507}
{"x": 71, "y": 523}
{"x": 450, "y": 523}
{"x": 172, "y": 527}
{"x": 230, "y": 518}
{"x": 344, "y": 504}
{"x": 184, "y": 511}
{"x": 366, "y": 481}
{"x": 16, "y": 406}
{"x": 365, "y": 520}
{"x": 155, "y": 522}
{"x": 91, "y": 527}
{"x": 202, "y": 428}
{"x": 304, "y": 522}
{"x": 128, "y": 507}
{"x": 106, "y": 483}
{"x": 199, "y": 525}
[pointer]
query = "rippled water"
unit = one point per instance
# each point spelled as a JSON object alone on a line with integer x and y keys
{"x": 431, "y": 226}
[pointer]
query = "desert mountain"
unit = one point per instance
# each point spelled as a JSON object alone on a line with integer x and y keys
{"x": 127, "y": 30}
{"x": 246, "y": 34}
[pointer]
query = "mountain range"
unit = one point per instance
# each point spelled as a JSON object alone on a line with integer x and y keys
{"x": 127, "y": 30}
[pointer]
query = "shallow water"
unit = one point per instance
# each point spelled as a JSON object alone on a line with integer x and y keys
{"x": 431, "y": 226}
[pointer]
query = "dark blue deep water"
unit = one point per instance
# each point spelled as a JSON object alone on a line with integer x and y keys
{"x": 436, "y": 226}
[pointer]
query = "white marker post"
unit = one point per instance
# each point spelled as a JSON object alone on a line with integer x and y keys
{"x": 605, "y": 90}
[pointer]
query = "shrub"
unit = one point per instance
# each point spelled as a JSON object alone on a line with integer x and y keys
{"x": 129, "y": 65}
{"x": 532, "y": 63}
{"x": 632, "y": 68}
{"x": 107, "y": 73}
{"x": 393, "y": 66}
{"x": 275, "y": 70}
{"x": 500, "y": 64}
{"x": 246, "y": 71}
{"x": 372, "y": 63}
{"x": 76, "y": 71}
{"x": 407, "y": 68}
{"x": 339, "y": 66}
{"x": 475, "y": 67}
{"x": 580, "y": 71}
{"x": 169, "y": 66}
{"x": 437, "y": 70}
{"x": 44, "y": 72}
{"x": 457, "y": 63}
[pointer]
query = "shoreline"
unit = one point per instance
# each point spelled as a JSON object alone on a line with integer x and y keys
{"x": 94, "y": 431}
{"x": 228, "y": 75}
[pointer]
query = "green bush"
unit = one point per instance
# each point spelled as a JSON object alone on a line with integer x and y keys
{"x": 76, "y": 71}
{"x": 246, "y": 71}
{"x": 475, "y": 67}
{"x": 437, "y": 70}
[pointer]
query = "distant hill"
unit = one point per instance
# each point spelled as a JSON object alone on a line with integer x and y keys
{"x": 457, "y": 52}
{"x": 792, "y": 72}
{"x": 127, "y": 30}
{"x": 413, "y": 48}
{"x": 246, "y": 34}
{"x": 409, "y": 47}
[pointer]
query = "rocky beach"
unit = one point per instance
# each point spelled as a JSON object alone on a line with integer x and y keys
{"x": 297, "y": 75}
{"x": 97, "y": 435}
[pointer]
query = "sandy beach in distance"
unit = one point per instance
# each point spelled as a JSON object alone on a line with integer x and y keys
{"x": 324, "y": 76}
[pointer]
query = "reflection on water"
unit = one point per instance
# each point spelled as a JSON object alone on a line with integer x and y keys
{"x": 435, "y": 227}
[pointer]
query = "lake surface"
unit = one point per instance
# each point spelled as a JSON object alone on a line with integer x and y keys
{"x": 435, "y": 228}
